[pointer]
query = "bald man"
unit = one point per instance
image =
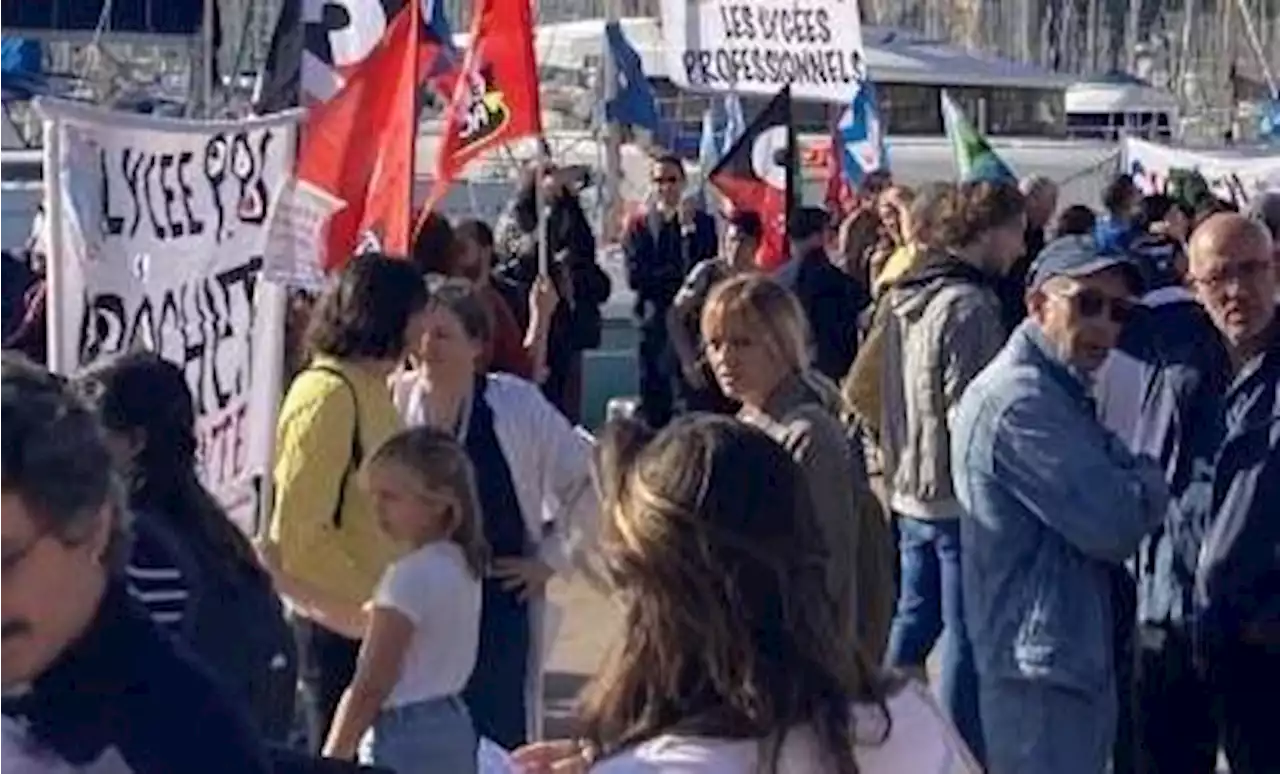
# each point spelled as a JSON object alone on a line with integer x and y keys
{"x": 1237, "y": 577}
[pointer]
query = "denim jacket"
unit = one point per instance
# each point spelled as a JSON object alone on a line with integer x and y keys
{"x": 1053, "y": 500}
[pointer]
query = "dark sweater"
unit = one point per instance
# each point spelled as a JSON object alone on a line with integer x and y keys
{"x": 124, "y": 689}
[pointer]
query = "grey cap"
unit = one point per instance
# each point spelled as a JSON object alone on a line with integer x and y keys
{"x": 1077, "y": 256}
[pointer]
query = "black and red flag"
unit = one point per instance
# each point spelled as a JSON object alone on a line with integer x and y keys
{"x": 757, "y": 172}
{"x": 358, "y": 66}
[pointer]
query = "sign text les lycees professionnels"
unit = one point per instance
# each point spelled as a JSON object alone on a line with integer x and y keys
{"x": 758, "y": 47}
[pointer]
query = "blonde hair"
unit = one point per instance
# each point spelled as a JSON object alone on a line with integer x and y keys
{"x": 731, "y": 631}
{"x": 754, "y": 302}
{"x": 435, "y": 461}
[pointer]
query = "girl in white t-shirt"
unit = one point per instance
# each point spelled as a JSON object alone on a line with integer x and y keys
{"x": 420, "y": 632}
{"x": 733, "y": 660}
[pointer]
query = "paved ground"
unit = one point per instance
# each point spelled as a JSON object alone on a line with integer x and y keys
{"x": 589, "y": 627}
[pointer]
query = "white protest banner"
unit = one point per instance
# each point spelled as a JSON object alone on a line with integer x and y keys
{"x": 758, "y": 47}
{"x": 296, "y": 242}
{"x": 157, "y": 229}
{"x": 1236, "y": 175}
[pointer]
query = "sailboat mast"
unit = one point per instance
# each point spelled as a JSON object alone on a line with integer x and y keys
{"x": 207, "y": 53}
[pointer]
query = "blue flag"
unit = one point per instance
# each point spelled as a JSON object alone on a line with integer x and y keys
{"x": 862, "y": 137}
{"x": 633, "y": 103}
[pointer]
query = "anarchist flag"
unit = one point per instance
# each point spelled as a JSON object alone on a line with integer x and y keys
{"x": 359, "y": 147}
{"x": 756, "y": 174}
{"x": 496, "y": 97}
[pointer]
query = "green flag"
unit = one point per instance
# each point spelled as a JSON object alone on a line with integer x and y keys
{"x": 975, "y": 160}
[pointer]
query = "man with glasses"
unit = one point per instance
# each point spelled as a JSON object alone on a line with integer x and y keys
{"x": 661, "y": 246}
{"x": 84, "y": 671}
{"x": 1237, "y": 576}
{"x": 1053, "y": 502}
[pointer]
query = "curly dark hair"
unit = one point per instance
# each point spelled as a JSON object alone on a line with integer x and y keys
{"x": 365, "y": 314}
{"x": 56, "y": 458}
{"x": 979, "y": 207}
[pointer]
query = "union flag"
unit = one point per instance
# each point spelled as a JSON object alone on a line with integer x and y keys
{"x": 496, "y": 98}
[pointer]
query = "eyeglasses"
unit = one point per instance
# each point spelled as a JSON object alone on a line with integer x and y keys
{"x": 665, "y": 180}
{"x": 1243, "y": 272}
{"x": 1090, "y": 303}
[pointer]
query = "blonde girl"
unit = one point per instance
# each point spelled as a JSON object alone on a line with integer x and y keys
{"x": 420, "y": 631}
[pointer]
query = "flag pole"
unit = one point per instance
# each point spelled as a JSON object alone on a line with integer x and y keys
{"x": 793, "y": 161}
{"x": 612, "y": 167}
{"x": 540, "y": 197}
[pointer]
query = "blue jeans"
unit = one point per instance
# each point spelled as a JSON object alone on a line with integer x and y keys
{"x": 427, "y": 737}
{"x": 1034, "y": 727}
{"x": 930, "y": 604}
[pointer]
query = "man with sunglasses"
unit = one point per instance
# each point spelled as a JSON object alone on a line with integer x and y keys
{"x": 1053, "y": 502}
{"x": 661, "y": 247}
{"x": 1237, "y": 575}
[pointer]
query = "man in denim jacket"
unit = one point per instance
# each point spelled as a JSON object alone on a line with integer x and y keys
{"x": 1053, "y": 500}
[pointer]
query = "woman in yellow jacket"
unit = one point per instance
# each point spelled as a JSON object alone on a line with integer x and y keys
{"x": 337, "y": 410}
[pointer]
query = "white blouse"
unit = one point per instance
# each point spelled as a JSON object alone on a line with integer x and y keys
{"x": 920, "y": 741}
{"x": 550, "y": 462}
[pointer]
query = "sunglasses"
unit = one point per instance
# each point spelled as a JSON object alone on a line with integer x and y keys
{"x": 1091, "y": 304}
{"x": 666, "y": 179}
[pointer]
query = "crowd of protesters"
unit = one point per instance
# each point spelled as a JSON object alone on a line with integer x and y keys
{"x": 1047, "y": 451}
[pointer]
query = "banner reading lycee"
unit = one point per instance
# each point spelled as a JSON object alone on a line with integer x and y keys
{"x": 157, "y": 232}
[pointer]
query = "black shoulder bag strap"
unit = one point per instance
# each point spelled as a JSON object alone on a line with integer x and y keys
{"x": 357, "y": 449}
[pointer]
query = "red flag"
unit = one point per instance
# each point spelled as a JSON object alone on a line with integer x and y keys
{"x": 359, "y": 146}
{"x": 839, "y": 198}
{"x": 755, "y": 174}
{"x": 496, "y": 97}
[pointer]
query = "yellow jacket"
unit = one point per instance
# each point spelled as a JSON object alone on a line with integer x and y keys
{"x": 902, "y": 261}
{"x": 313, "y": 453}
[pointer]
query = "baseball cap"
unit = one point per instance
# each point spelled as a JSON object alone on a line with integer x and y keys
{"x": 1078, "y": 256}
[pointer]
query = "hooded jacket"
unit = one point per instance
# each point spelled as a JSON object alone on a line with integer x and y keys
{"x": 944, "y": 326}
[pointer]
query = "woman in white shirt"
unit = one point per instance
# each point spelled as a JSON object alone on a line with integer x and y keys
{"x": 733, "y": 660}
{"x": 536, "y": 497}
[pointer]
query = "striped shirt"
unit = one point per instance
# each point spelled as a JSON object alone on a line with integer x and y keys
{"x": 158, "y": 578}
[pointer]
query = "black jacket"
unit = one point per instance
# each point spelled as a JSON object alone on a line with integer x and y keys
{"x": 659, "y": 255}
{"x": 833, "y": 303}
{"x": 126, "y": 690}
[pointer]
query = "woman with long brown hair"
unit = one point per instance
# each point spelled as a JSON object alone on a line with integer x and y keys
{"x": 733, "y": 661}
{"x": 757, "y": 342}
